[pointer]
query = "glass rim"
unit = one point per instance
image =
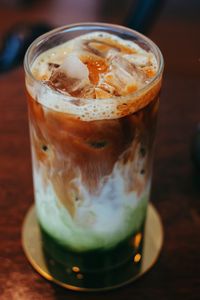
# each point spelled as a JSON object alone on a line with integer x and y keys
{"x": 99, "y": 26}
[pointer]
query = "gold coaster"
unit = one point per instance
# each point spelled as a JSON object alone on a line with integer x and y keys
{"x": 153, "y": 240}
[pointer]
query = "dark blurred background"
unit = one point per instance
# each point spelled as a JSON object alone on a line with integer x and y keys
{"x": 182, "y": 16}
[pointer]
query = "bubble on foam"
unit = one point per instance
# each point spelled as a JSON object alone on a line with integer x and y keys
{"x": 90, "y": 109}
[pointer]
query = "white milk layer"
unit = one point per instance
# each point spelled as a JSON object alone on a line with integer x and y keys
{"x": 101, "y": 221}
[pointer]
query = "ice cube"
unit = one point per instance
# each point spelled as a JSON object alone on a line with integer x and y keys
{"x": 144, "y": 63}
{"x": 73, "y": 67}
{"x": 137, "y": 59}
{"x": 105, "y": 86}
{"x": 111, "y": 53}
{"x": 123, "y": 75}
{"x": 119, "y": 76}
{"x": 99, "y": 47}
{"x": 71, "y": 77}
{"x": 102, "y": 94}
{"x": 95, "y": 47}
{"x": 71, "y": 86}
{"x": 87, "y": 92}
{"x": 119, "y": 64}
{"x": 60, "y": 82}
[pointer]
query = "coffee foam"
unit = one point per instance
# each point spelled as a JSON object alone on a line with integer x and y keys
{"x": 91, "y": 109}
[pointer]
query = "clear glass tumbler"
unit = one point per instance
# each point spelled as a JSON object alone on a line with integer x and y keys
{"x": 92, "y": 168}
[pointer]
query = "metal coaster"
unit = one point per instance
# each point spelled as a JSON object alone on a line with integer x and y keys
{"x": 153, "y": 240}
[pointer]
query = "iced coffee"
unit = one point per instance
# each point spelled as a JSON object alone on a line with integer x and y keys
{"x": 93, "y": 102}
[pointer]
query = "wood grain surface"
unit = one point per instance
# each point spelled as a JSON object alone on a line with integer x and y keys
{"x": 174, "y": 192}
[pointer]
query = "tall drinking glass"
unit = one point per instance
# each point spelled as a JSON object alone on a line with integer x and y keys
{"x": 93, "y": 96}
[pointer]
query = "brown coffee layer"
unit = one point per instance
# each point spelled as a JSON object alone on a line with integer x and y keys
{"x": 67, "y": 148}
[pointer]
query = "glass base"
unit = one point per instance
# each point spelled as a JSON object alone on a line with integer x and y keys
{"x": 72, "y": 278}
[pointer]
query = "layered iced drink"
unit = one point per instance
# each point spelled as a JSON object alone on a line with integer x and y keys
{"x": 93, "y": 102}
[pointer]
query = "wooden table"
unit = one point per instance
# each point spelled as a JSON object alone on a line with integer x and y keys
{"x": 175, "y": 194}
